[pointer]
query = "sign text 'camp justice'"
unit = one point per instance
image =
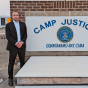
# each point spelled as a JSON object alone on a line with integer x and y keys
{"x": 57, "y": 33}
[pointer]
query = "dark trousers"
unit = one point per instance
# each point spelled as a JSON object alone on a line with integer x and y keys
{"x": 12, "y": 57}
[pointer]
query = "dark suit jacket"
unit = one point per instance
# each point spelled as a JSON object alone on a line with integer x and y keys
{"x": 11, "y": 35}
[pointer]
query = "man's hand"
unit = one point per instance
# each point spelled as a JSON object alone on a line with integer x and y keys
{"x": 19, "y": 44}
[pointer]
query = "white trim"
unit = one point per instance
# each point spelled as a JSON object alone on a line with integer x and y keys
{"x": 4, "y": 16}
{"x": 48, "y": 0}
{"x": 54, "y": 86}
{"x": 37, "y": 0}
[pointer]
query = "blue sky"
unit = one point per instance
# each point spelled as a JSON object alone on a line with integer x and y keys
{"x": 4, "y": 7}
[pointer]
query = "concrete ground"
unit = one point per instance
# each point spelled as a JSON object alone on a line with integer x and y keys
{"x": 4, "y": 58}
{"x": 4, "y": 84}
{"x": 2, "y": 31}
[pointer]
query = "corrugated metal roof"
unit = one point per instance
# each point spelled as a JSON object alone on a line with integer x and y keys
{"x": 4, "y": 16}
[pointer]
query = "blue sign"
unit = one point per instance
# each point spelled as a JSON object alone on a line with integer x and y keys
{"x": 65, "y": 34}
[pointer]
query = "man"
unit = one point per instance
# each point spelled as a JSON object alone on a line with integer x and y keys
{"x": 16, "y": 34}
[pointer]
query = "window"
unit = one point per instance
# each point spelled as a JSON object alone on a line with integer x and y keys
{"x": 2, "y": 21}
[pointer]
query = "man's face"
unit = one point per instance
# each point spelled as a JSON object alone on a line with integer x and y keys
{"x": 15, "y": 16}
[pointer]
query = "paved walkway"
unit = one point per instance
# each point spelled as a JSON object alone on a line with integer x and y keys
{"x": 4, "y": 59}
{"x": 5, "y": 85}
{"x": 4, "y": 74}
{"x": 2, "y": 31}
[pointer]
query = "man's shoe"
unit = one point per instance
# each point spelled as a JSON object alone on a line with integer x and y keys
{"x": 10, "y": 82}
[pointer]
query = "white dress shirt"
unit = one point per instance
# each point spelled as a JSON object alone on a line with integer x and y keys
{"x": 17, "y": 26}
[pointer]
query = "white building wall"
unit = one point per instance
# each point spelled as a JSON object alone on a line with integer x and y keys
{"x": 5, "y": 7}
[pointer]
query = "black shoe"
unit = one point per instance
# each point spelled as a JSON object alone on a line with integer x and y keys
{"x": 10, "y": 82}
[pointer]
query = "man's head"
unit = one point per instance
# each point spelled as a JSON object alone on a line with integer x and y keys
{"x": 15, "y": 16}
